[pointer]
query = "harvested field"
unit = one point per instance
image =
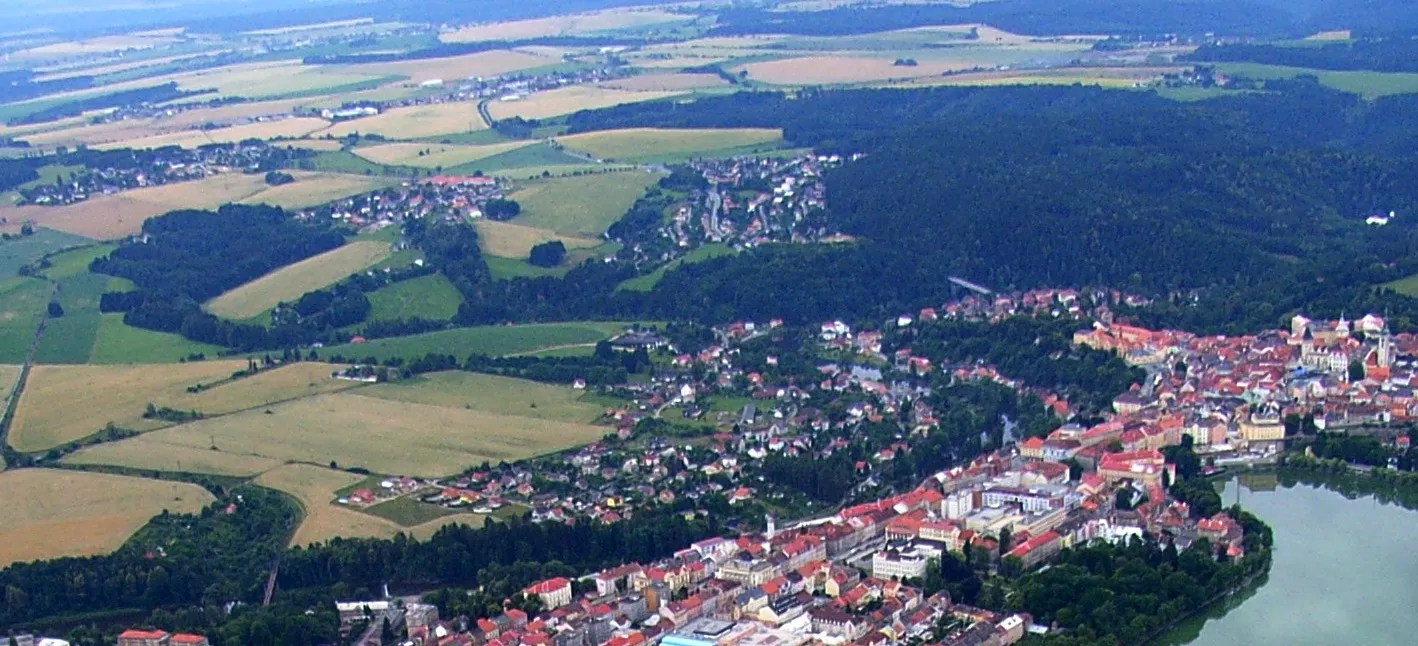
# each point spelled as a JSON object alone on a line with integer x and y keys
{"x": 272, "y": 79}
{"x": 289, "y": 283}
{"x": 9, "y": 376}
{"x": 100, "y": 45}
{"x": 665, "y": 82}
{"x": 493, "y": 340}
{"x": 636, "y": 143}
{"x": 148, "y": 455}
{"x": 64, "y": 134}
{"x": 108, "y": 217}
{"x": 563, "y": 25}
{"x": 435, "y": 155}
{"x": 282, "y": 384}
{"x": 51, "y": 513}
{"x": 64, "y": 403}
{"x": 114, "y": 216}
{"x": 456, "y": 68}
{"x": 491, "y": 393}
{"x": 319, "y": 145}
{"x": 582, "y": 206}
{"x": 313, "y": 189}
{"x": 415, "y": 122}
{"x": 359, "y": 431}
{"x": 114, "y": 68}
{"x": 554, "y": 103}
{"x": 265, "y": 130}
{"x": 516, "y": 241}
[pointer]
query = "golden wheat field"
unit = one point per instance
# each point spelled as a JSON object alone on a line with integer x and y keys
{"x": 148, "y": 455}
{"x": 435, "y": 155}
{"x": 454, "y": 68}
{"x": 52, "y": 513}
{"x": 415, "y": 122}
{"x": 666, "y": 82}
{"x": 554, "y": 103}
{"x": 264, "y": 130}
{"x": 313, "y": 189}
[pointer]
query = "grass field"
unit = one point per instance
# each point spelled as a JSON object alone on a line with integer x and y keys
{"x": 289, "y": 283}
{"x": 9, "y": 376}
{"x": 554, "y": 103}
{"x": 23, "y": 251}
{"x": 415, "y": 122}
{"x": 429, "y": 297}
{"x": 508, "y": 268}
{"x": 293, "y": 127}
{"x": 131, "y": 388}
{"x": 51, "y": 513}
{"x": 648, "y": 281}
{"x": 666, "y": 82}
{"x": 638, "y": 143}
{"x": 527, "y": 162}
{"x": 515, "y": 241}
{"x": 70, "y": 338}
{"x": 64, "y": 403}
{"x": 435, "y": 155}
{"x": 313, "y": 189}
{"x": 494, "y": 340}
{"x": 144, "y": 453}
{"x": 75, "y": 262}
{"x": 493, "y": 394}
{"x": 582, "y": 206}
{"x": 1364, "y": 83}
{"x": 381, "y": 435}
{"x": 117, "y": 342}
{"x": 22, "y": 303}
{"x": 1408, "y": 286}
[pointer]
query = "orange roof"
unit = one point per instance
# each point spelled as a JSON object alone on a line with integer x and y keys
{"x": 142, "y": 634}
{"x": 1033, "y": 443}
{"x": 184, "y": 638}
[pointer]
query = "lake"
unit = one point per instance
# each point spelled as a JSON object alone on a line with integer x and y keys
{"x": 1344, "y": 572}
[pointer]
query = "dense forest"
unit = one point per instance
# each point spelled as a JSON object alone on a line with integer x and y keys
{"x": 1379, "y": 54}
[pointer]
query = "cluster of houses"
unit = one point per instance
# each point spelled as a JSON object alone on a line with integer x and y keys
{"x": 451, "y": 197}
{"x": 1234, "y": 393}
{"x": 748, "y": 201}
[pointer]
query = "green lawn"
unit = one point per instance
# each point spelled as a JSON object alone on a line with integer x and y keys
{"x": 48, "y": 174}
{"x": 409, "y": 511}
{"x": 489, "y": 340}
{"x": 583, "y": 205}
{"x": 508, "y": 268}
{"x": 72, "y": 263}
{"x": 1363, "y": 83}
{"x": 1407, "y": 286}
{"x": 428, "y": 297}
{"x": 70, "y": 338}
{"x": 648, "y": 281}
{"x": 118, "y": 342}
{"x": 22, "y": 303}
{"x": 25, "y": 250}
{"x": 492, "y": 394}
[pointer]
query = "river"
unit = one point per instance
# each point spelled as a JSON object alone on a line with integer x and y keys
{"x": 1343, "y": 573}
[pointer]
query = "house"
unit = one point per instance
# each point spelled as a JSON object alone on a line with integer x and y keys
{"x": 1038, "y": 549}
{"x": 133, "y": 637}
{"x": 186, "y": 639}
{"x": 554, "y": 593}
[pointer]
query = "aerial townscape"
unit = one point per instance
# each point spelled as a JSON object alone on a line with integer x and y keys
{"x": 638, "y": 323}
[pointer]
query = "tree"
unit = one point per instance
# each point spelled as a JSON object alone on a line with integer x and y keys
{"x": 386, "y": 633}
{"x": 501, "y": 210}
{"x": 1356, "y": 371}
{"x": 547, "y": 254}
{"x": 1005, "y": 537}
{"x": 55, "y": 310}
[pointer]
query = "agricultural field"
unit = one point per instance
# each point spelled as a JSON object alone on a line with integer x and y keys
{"x": 831, "y": 70}
{"x": 22, "y": 303}
{"x": 428, "y": 297}
{"x": 529, "y": 162}
{"x": 52, "y": 513}
{"x": 9, "y": 376}
{"x": 110, "y": 217}
{"x": 117, "y": 342}
{"x": 492, "y": 340}
{"x": 1108, "y": 77}
{"x": 457, "y": 68}
{"x": 561, "y": 101}
{"x": 293, "y": 127}
{"x": 1363, "y": 83}
{"x": 648, "y": 281}
{"x": 436, "y": 155}
{"x": 144, "y": 453}
{"x": 415, "y": 122}
{"x": 508, "y": 268}
{"x": 23, "y": 251}
{"x": 666, "y": 82}
{"x": 642, "y": 143}
{"x": 493, "y": 394}
{"x": 98, "y": 45}
{"x": 381, "y": 435}
{"x": 582, "y": 206}
{"x": 289, "y": 283}
{"x": 71, "y": 133}
{"x": 1408, "y": 285}
{"x": 64, "y": 403}
{"x": 573, "y": 25}
{"x": 515, "y": 241}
